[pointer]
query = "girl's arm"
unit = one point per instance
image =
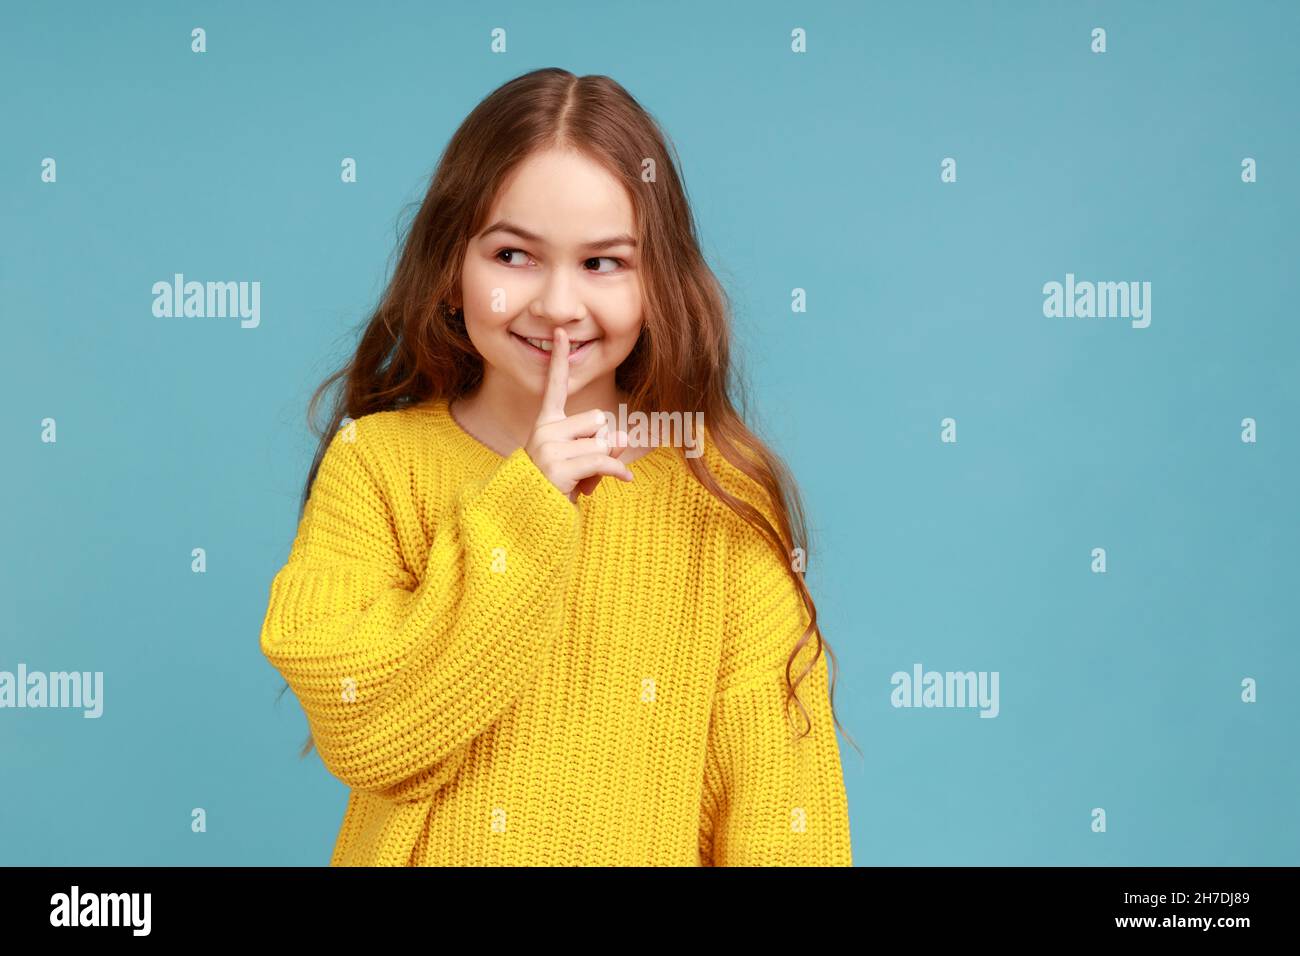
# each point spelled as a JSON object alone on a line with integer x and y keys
{"x": 768, "y": 801}
{"x": 398, "y": 676}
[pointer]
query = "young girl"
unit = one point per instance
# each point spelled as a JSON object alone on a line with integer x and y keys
{"x": 520, "y": 635}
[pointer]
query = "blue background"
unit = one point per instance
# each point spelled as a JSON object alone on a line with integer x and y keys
{"x": 818, "y": 171}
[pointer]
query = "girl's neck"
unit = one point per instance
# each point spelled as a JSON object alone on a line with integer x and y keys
{"x": 502, "y": 417}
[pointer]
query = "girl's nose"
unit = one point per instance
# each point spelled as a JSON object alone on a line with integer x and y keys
{"x": 559, "y": 301}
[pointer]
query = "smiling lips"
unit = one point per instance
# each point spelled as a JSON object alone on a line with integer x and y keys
{"x": 547, "y": 344}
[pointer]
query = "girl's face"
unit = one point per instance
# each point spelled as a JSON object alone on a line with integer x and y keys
{"x": 558, "y": 251}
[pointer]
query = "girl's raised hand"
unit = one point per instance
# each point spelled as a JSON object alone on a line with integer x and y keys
{"x": 572, "y": 451}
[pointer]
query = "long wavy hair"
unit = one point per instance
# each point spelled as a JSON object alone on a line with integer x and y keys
{"x": 415, "y": 347}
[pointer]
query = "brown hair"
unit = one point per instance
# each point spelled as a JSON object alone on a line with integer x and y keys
{"x": 415, "y": 348}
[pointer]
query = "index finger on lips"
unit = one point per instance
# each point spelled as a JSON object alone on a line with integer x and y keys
{"x": 557, "y": 380}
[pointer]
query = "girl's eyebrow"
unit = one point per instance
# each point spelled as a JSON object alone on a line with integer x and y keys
{"x": 502, "y": 225}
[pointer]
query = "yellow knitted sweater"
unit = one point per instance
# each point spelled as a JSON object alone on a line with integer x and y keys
{"x": 503, "y": 677}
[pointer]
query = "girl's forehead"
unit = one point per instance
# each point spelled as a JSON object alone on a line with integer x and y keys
{"x": 561, "y": 181}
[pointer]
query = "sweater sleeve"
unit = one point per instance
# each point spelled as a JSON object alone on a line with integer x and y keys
{"x": 768, "y": 801}
{"x": 398, "y": 676}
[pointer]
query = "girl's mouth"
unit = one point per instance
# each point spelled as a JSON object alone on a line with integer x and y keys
{"x": 577, "y": 350}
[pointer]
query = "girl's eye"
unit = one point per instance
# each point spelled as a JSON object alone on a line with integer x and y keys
{"x": 606, "y": 259}
{"x": 619, "y": 263}
{"x": 506, "y": 252}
